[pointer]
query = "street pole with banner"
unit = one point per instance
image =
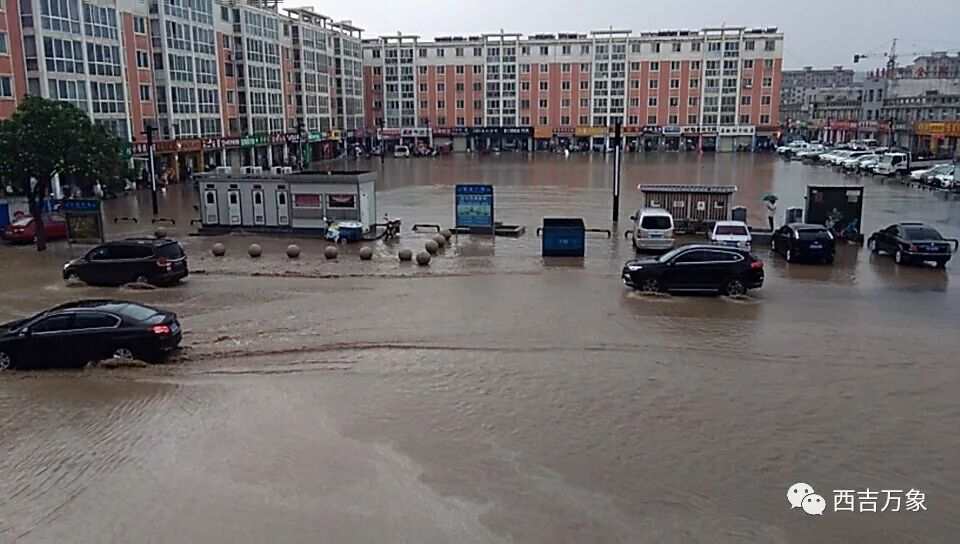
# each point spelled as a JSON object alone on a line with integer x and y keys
{"x": 300, "y": 128}
{"x": 148, "y": 130}
{"x": 616, "y": 171}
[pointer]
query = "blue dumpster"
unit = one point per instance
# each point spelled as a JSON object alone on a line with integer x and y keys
{"x": 563, "y": 237}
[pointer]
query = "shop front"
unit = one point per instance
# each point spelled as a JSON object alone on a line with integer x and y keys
{"x": 543, "y": 139}
{"x": 587, "y": 137}
{"x": 938, "y": 138}
{"x": 416, "y": 137}
{"x": 650, "y": 136}
{"x": 735, "y": 138}
{"x": 501, "y": 138}
{"x": 672, "y": 138}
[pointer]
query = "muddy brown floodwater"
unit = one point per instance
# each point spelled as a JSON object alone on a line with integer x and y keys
{"x": 493, "y": 396}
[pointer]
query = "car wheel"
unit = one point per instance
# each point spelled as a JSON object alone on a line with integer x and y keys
{"x": 789, "y": 255}
{"x": 941, "y": 264}
{"x": 74, "y": 277}
{"x": 899, "y": 257}
{"x": 6, "y": 362}
{"x": 734, "y": 287}
{"x": 123, "y": 353}
{"x": 142, "y": 278}
{"x": 650, "y": 285}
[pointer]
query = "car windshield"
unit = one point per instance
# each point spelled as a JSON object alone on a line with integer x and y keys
{"x": 138, "y": 312}
{"x": 22, "y": 222}
{"x": 812, "y": 234}
{"x": 942, "y": 169}
{"x": 730, "y": 230}
{"x": 170, "y": 251}
{"x": 921, "y": 233}
{"x": 655, "y": 222}
{"x": 670, "y": 254}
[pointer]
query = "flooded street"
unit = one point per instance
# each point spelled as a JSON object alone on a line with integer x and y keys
{"x": 495, "y": 396}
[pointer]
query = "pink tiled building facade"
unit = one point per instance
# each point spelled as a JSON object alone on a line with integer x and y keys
{"x": 713, "y": 88}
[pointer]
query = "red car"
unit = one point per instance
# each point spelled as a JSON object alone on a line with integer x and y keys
{"x": 23, "y": 230}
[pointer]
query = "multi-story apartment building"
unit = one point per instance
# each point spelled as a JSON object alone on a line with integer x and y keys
{"x": 796, "y": 83}
{"x": 220, "y": 81}
{"x": 677, "y": 89}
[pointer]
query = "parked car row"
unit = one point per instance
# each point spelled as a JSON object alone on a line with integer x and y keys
{"x": 868, "y": 158}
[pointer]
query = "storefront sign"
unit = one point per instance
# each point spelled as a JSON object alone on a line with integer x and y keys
{"x": 652, "y": 129}
{"x": 231, "y": 141}
{"x": 314, "y": 136}
{"x": 518, "y": 131}
{"x": 672, "y": 130}
{"x": 590, "y": 131}
{"x": 948, "y": 129}
{"x": 254, "y": 140}
{"x": 632, "y": 130}
{"x": 389, "y": 133}
{"x": 563, "y": 130}
{"x": 740, "y": 130}
{"x": 278, "y": 138}
{"x": 542, "y": 133}
{"x": 474, "y": 206}
{"x": 415, "y": 132}
{"x": 211, "y": 143}
{"x": 333, "y": 135}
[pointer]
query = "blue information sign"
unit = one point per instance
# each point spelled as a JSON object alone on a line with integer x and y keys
{"x": 87, "y": 205}
{"x": 475, "y": 206}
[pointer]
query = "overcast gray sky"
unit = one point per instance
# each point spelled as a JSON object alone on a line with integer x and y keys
{"x": 817, "y": 32}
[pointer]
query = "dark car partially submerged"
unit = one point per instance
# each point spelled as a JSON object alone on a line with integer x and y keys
{"x": 800, "y": 241}
{"x": 76, "y": 333}
{"x": 913, "y": 243}
{"x": 139, "y": 260}
{"x": 696, "y": 267}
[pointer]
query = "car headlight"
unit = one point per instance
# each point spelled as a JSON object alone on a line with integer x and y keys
{"x": 66, "y": 266}
{"x": 634, "y": 267}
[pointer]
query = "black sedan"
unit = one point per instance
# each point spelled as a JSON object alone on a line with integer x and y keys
{"x": 730, "y": 271}
{"x": 73, "y": 334}
{"x": 799, "y": 241}
{"x": 913, "y": 243}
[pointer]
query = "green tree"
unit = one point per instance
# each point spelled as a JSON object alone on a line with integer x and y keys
{"x": 44, "y": 138}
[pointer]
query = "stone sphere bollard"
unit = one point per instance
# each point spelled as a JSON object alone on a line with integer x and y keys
{"x": 446, "y": 233}
{"x": 160, "y": 233}
{"x": 405, "y": 254}
{"x": 218, "y": 250}
{"x": 331, "y": 252}
{"x": 366, "y": 253}
{"x": 255, "y": 250}
{"x": 440, "y": 240}
{"x": 431, "y": 246}
{"x": 293, "y": 251}
{"x": 423, "y": 258}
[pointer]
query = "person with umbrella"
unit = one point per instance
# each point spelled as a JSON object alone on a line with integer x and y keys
{"x": 771, "y": 204}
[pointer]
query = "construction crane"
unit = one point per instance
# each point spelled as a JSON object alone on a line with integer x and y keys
{"x": 891, "y": 56}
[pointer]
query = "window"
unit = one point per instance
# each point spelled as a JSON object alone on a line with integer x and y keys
{"x": 461, "y": 121}
{"x": 423, "y": 104}
{"x": 747, "y": 82}
{"x": 652, "y": 101}
{"x": 655, "y": 47}
{"x": 477, "y": 69}
{"x": 765, "y": 100}
{"x": 564, "y": 102}
{"x": 543, "y": 85}
{"x": 441, "y": 70}
{"x": 478, "y": 104}
{"x": 460, "y": 87}
{"x": 422, "y": 52}
{"x": 93, "y": 320}
{"x": 634, "y": 83}
{"x": 54, "y": 323}
{"x": 460, "y": 69}
{"x": 6, "y": 87}
{"x": 748, "y": 45}
{"x": 140, "y": 25}
{"x": 745, "y": 100}
{"x": 544, "y": 68}
{"x": 543, "y": 120}
{"x": 375, "y": 52}
{"x": 768, "y": 64}
{"x": 341, "y": 201}
{"x": 744, "y": 119}
{"x": 651, "y": 119}
{"x": 377, "y": 71}
{"x": 691, "y": 119}
{"x": 477, "y": 121}
{"x": 422, "y": 70}
{"x": 584, "y": 85}
{"x": 748, "y": 64}
{"x": 654, "y": 66}
{"x": 440, "y": 53}
{"x": 143, "y": 59}
{"x": 653, "y": 83}
{"x": 441, "y": 104}
{"x": 673, "y": 119}
{"x": 676, "y": 47}
{"x": 565, "y": 85}
{"x": 104, "y": 60}
{"x": 694, "y": 83}
{"x": 584, "y": 49}
{"x": 767, "y": 82}
{"x": 458, "y": 52}
{"x": 764, "y": 119}
{"x": 584, "y": 67}
{"x": 99, "y": 22}
{"x": 674, "y": 65}
{"x": 544, "y": 49}
{"x": 674, "y": 83}
{"x": 584, "y": 103}
{"x": 441, "y": 87}
{"x": 634, "y": 102}
{"x": 770, "y": 45}
{"x": 674, "y": 101}
{"x": 565, "y": 50}
{"x": 524, "y": 85}
{"x": 477, "y": 86}
{"x": 4, "y": 47}
{"x": 422, "y": 87}
{"x": 542, "y": 103}
{"x": 695, "y": 46}
{"x": 145, "y": 93}
{"x": 565, "y": 67}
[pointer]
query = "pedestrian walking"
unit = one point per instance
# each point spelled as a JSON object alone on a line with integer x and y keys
{"x": 771, "y": 211}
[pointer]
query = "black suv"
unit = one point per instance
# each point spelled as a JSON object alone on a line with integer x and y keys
{"x": 799, "y": 241}
{"x": 697, "y": 267}
{"x": 142, "y": 260}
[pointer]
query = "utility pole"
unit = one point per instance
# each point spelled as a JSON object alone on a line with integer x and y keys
{"x": 148, "y": 130}
{"x": 616, "y": 171}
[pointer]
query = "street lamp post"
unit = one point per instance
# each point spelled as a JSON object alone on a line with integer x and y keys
{"x": 383, "y": 151}
{"x": 616, "y": 172}
{"x": 148, "y": 130}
